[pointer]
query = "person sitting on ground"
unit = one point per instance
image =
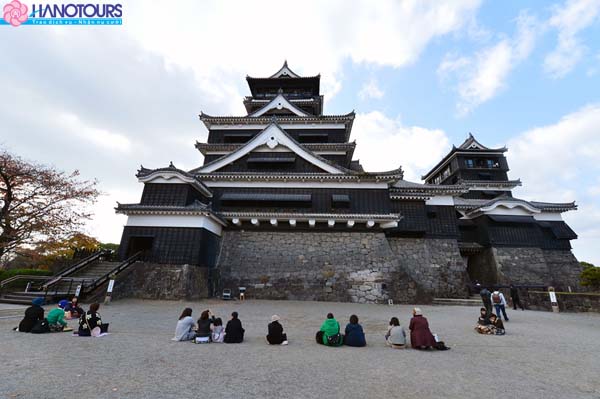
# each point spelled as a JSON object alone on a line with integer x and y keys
{"x": 498, "y": 326}
{"x": 90, "y": 323}
{"x": 185, "y": 326}
{"x": 234, "y": 333}
{"x": 483, "y": 325}
{"x": 56, "y": 317}
{"x": 218, "y": 332}
{"x": 205, "y": 324}
{"x": 329, "y": 333}
{"x": 275, "y": 335}
{"x": 420, "y": 335}
{"x": 73, "y": 310}
{"x": 354, "y": 334}
{"x": 396, "y": 336}
{"x": 33, "y": 314}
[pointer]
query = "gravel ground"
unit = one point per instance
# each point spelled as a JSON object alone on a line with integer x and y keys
{"x": 543, "y": 355}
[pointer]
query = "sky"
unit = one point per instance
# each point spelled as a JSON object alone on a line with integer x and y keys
{"x": 419, "y": 74}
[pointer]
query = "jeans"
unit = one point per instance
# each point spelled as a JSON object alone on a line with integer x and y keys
{"x": 503, "y": 309}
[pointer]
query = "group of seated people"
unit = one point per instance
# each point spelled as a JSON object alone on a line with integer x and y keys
{"x": 420, "y": 336}
{"x": 209, "y": 328}
{"x": 489, "y": 324}
{"x": 90, "y": 323}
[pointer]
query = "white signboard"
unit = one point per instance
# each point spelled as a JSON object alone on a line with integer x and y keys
{"x": 78, "y": 290}
{"x": 552, "y": 296}
{"x": 111, "y": 284}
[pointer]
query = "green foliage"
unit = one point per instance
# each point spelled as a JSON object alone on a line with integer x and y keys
{"x": 590, "y": 276}
{"x": 110, "y": 246}
{"x": 4, "y": 274}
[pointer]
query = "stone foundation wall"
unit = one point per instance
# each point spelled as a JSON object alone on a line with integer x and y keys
{"x": 567, "y": 302}
{"x": 333, "y": 266}
{"x": 159, "y": 281}
{"x": 564, "y": 268}
{"x": 558, "y": 268}
{"x": 521, "y": 266}
{"x": 436, "y": 264}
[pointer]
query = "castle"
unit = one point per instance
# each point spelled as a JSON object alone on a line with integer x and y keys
{"x": 281, "y": 208}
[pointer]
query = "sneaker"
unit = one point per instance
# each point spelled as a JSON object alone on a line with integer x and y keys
{"x": 284, "y": 343}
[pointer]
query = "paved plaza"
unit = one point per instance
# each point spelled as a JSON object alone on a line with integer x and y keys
{"x": 543, "y": 355}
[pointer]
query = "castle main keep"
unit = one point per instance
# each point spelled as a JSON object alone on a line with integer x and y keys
{"x": 280, "y": 207}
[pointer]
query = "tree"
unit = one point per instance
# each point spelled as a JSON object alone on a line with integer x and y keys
{"x": 590, "y": 276}
{"x": 37, "y": 203}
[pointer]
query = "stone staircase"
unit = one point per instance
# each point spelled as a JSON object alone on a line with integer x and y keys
{"x": 84, "y": 276}
{"x": 471, "y": 301}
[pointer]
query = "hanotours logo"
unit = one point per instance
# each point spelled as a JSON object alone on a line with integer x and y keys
{"x": 15, "y": 13}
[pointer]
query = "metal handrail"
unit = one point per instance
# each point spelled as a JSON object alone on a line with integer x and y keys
{"x": 72, "y": 269}
{"x": 118, "y": 269}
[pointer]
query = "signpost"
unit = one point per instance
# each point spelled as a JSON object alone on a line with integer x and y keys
{"x": 109, "y": 290}
{"x": 553, "y": 300}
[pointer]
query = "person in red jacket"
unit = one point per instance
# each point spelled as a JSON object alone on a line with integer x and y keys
{"x": 420, "y": 335}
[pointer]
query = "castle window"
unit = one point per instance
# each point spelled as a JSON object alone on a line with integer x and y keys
{"x": 340, "y": 201}
{"x": 470, "y": 163}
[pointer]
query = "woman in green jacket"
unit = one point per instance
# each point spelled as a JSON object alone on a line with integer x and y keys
{"x": 329, "y": 334}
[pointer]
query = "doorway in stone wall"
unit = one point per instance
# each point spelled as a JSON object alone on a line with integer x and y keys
{"x": 141, "y": 244}
{"x": 481, "y": 267}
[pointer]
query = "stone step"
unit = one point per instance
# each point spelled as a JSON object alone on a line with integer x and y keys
{"x": 457, "y": 302}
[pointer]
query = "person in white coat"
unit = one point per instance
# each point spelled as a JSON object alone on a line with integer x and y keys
{"x": 499, "y": 303}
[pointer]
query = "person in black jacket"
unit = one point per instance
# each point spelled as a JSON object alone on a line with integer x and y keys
{"x": 91, "y": 320}
{"x": 205, "y": 324}
{"x": 486, "y": 299}
{"x": 234, "y": 333}
{"x": 514, "y": 295}
{"x": 33, "y": 314}
{"x": 276, "y": 336}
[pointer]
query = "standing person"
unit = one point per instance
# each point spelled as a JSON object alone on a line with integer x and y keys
{"x": 485, "y": 298}
{"x": 396, "y": 336}
{"x": 354, "y": 334}
{"x": 514, "y": 296}
{"x": 205, "y": 325}
{"x": 329, "y": 333}
{"x": 420, "y": 335}
{"x": 33, "y": 314}
{"x": 234, "y": 333}
{"x": 56, "y": 317}
{"x": 275, "y": 335}
{"x": 499, "y": 303}
{"x": 184, "y": 331}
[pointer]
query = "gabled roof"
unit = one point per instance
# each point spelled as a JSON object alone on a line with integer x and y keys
{"x": 470, "y": 145}
{"x": 278, "y": 103}
{"x": 285, "y": 71}
{"x": 476, "y": 207}
{"x": 171, "y": 173}
{"x": 272, "y": 136}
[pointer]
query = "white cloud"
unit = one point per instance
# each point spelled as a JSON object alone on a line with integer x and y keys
{"x": 570, "y": 19}
{"x": 222, "y": 41}
{"x": 384, "y": 144}
{"x": 71, "y": 124}
{"x": 369, "y": 90}
{"x": 555, "y": 163}
{"x": 480, "y": 77}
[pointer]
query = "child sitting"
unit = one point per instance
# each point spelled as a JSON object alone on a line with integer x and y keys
{"x": 218, "y": 333}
